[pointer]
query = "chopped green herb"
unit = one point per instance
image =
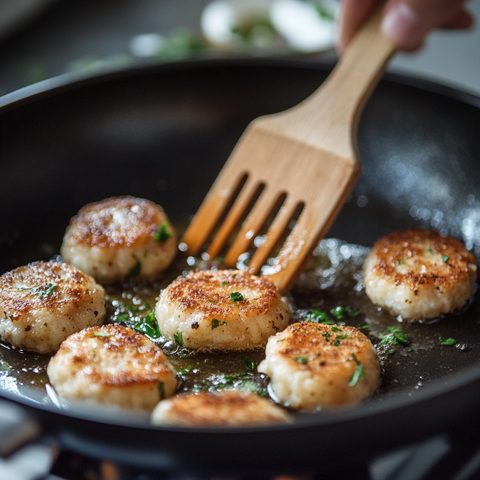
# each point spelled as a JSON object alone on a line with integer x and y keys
{"x": 50, "y": 289}
{"x": 357, "y": 375}
{"x": 354, "y": 358}
{"x": 122, "y": 317}
{"x": 224, "y": 284}
{"x": 149, "y": 326}
{"x": 163, "y": 233}
{"x": 42, "y": 291}
{"x": 444, "y": 259}
{"x": 236, "y": 297}
{"x": 395, "y": 336}
{"x": 101, "y": 334}
{"x": 4, "y": 366}
{"x": 327, "y": 336}
{"x": 178, "y": 337}
{"x": 301, "y": 360}
{"x": 446, "y": 341}
{"x": 316, "y": 316}
{"x": 338, "y": 338}
{"x": 338, "y": 312}
{"x": 185, "y": 371}
{"x": 216, "y": 323}
{"x": 336, "y": 329}
{"x": 249, "y": 364}
{"x": 351, "y": 312}
{"x": 161, "y": 387}
{"x": 135, "y": 270}
{"x": 430, "y": 251}
{"x": 363, "y": 327}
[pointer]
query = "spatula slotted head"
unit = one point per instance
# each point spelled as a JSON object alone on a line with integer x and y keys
{"x": 306, "y": 156}
{"x": 301, "y": 174}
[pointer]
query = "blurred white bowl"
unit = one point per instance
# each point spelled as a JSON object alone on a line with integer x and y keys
{"x": 272, "y": 25}
{"x": 16, "y": 13}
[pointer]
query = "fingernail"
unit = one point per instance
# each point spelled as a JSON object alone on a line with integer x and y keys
{"x": 402, "y": 25}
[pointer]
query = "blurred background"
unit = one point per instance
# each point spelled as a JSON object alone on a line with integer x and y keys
{"x": 44, "y": 38}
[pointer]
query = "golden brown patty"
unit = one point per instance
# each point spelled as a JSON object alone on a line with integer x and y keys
{"x": 223, "y": 310}
{"x": 120, "y": 238}
{"x": 224, "y": 408}
{"x": 42, "y": 303}
{"x": 113, "y": 365}
{"x": 314, "y": 365}
{"x": 419, "y": 273}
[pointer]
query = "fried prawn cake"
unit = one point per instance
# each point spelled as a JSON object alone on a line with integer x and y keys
{"x": 120, "y": 238}
{"x": 112, "y": 365}
{"x": 223, "y": 408}
{"x": 221, "y": 310}
{"x": 419, "y": 274}
{"x": 42, "y": 303}
{"x": 314, "y": 365}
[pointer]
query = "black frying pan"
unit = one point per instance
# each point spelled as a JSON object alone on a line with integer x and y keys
{"x": 163, "y": 133}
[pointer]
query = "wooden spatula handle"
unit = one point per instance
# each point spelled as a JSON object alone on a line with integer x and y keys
{"x": 330, "y": 115}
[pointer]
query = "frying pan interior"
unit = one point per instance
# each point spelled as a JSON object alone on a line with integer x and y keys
{"x": 163, "y": 133}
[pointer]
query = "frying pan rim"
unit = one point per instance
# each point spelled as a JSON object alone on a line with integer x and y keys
{"x": 70, "y": 82}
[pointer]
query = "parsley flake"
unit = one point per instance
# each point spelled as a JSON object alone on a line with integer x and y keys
{"x": 161, "y": 388}
{"x": 216, "y": 323}
{"x": 178, "y": 337}
{"x": 224, "y": 284}
{"x": 4, "y": 366}
{"x": 444, "y": 259}
{"x": 249, "y": 364}
{"x": 50, "y": 289}
{"x": 394, "y": 336}
{"x": 163, "y": 233}
{"x": 357, "y": 375}
{"x": 338, "y": 338}
{"x": 41, "y": 291}
{"x": 101, "y": 334}
{"x": 446, "y": 341}
{"x": 303, "y": 360}
{"x": 336, "y": 329}
{"x": 236, "y": 297}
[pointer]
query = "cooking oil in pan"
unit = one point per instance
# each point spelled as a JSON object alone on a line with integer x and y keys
{"x": 329, "y": 290}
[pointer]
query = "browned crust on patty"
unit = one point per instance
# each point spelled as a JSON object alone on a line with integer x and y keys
{"x": 94, "y": 224}
{"x": 413, "y": 244}
{"x": 321, "y": 345}
{"x": 142, "y": 361}
{"x": 228, "y": 407}
{"x": 209, "y": 292}
{"x": 26, "y": 289}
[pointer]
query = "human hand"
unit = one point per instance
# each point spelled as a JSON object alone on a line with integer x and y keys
{"x": 406, "y": 22}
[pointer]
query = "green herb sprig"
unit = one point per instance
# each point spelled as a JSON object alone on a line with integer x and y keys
{"x": 163, "y": 233}
{"x": 446, "y": 341}
{"x": 236, "y": 297}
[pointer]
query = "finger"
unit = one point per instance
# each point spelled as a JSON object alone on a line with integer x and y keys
{"x": 462, "y": 21}
{"x": 406, "y": 22}
{"x": 353, "y": 14}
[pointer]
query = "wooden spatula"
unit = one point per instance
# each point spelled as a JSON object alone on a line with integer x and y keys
{"x": 306, "y": 155}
